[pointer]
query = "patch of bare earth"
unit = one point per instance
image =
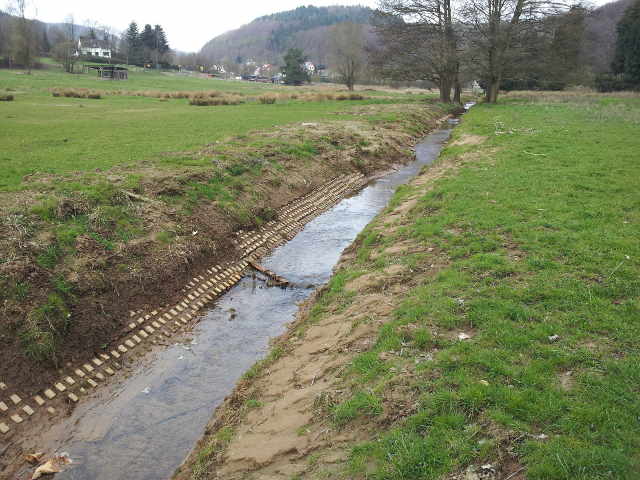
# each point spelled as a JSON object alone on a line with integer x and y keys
{"x": 467, "y": 139}
{"x": 280, "y": 429}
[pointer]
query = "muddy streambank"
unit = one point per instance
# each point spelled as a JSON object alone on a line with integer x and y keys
{"x": 72, "y": 393}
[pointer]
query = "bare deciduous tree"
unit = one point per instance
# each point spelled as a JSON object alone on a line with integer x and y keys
{"x": 348, "y": 55}
{"x": 24, "y": 40}
{"x": 495, "y": 27}
{"x": 110, "y": 39}
{"x": 419, "y": 42}
{"x": 65, "y": 49}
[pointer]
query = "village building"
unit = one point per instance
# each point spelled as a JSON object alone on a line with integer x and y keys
{"x": 92, "y": 47}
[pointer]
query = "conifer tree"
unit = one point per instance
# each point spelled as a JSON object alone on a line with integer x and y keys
{"x": 133, "y": 44}
{"x": 627, "y": 56}
{"x": 161, "y": 43}
{"x": 148, "y": 37}
{"x": 295, "y": 73}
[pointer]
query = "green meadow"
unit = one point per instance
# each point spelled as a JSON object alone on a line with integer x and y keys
{"x": 540, "y": 227}
{"x": 46, "y": 134}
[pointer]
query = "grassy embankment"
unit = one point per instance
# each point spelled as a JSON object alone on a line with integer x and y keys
{"x": 100, "y": 197}
{"x": 514, "y": 338}
{"x": 542, "y": 237}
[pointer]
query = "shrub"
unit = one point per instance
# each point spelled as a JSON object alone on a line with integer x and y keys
{"x": 203, "y": 101}
{"x": 319, "y": 97}
{"x": 349, "y": 96}
{"x": 6, "y": 98}
{"x": 77, "y": 93}
{"x": 267, "y": 99}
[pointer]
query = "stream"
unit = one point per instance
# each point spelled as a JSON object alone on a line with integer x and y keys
{"x": 144, "y": 426}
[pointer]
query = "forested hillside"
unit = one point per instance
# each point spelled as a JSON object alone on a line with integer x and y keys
{"x": 600, "y": 35}
{"x": 267, "y": 38}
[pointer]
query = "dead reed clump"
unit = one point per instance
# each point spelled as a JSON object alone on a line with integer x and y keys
{"x": 267, "y": 99}
{"x": 203, "y": 101}
{"x": 349, "y": 96}
{"x": 77, "y": 93}
{"x": 187, "y": 94}
{"x": 206, "y": 94}
{"x": 152, "y": 93}
{"x": 317, "y": 97}
{"x": 327, "y": 96}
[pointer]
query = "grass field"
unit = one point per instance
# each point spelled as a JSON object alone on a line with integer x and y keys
{"x": 541, "y": 229}
{"x": 41, "y": 80}
{"x": 518, "y": 339}
{"x": 42, "y": 133}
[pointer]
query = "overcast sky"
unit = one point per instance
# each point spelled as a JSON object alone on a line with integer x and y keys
{"x": 189, "y": 24}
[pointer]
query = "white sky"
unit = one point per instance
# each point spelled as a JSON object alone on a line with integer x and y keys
{"x": 189, "y": 24}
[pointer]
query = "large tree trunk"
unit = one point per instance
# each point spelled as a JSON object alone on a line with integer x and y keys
{"x": 445, "y": 89}
{"x": 457, "y": 88}
{"x": 493, "y": 80}
{"x": 492, "y": 90}
{"x": 457, "y": 93}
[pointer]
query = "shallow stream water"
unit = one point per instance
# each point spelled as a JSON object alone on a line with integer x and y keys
{"x": 145, "y": 426}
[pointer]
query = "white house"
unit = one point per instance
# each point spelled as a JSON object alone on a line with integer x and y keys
{"x": 92, "y": 47}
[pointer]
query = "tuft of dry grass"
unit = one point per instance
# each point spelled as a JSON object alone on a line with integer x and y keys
{"x": 350, "y": 96}
{"x": 205, "y": 101}
{"x": 268, "y": 99}
{"x": 179, "y": 94}
{"x": 93, "y": 93}
{"x": 77, "y": 93}
{"x": 327, "y": 96}
{"x": 210, "y": 97}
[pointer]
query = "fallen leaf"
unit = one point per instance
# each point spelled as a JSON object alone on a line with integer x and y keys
{"x": 52, "y": 466}
{"x": 34, "y": 458}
